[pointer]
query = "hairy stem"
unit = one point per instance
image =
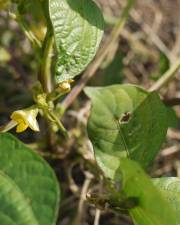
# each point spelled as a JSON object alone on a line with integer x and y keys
{"x": 44, "y": 75}
{"x": 108, "y": 44}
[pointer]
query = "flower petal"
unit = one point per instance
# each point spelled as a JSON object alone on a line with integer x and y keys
{"x": 26, "y": 118}
{"x": 33, "y": 124}
{"x": 21, "y": 127}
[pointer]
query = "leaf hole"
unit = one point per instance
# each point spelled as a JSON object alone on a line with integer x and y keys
{"x": 125, "y": 117}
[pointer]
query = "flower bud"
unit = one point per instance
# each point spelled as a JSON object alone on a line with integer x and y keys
{"x": 65, "y": 86}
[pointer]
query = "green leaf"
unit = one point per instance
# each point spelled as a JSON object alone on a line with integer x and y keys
{"x": 163, "y": 66}
{"x": 78, "y": 30}
{"x": 14, "y": 207}
{"x": 125, "y": 120}
{"x": 152, "y": 208}
{"x": 170, "y": 187}
{"x": 29, "y": 191}
{"x": 113, "y": 73}
{"x": 173, "y": 118}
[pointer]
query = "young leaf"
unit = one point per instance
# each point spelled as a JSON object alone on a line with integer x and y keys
{"x": 125, "y": 120}
{"x": 152, "y": 208}
{"x": 78, "y": 30}
{"x": 170, "y": 187}
{"x": 29, "y": 192}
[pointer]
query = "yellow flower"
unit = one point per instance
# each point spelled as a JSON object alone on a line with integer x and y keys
{"x": 25, "y": 118}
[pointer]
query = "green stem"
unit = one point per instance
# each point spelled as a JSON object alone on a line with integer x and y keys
{"x": 44, "y": 75}
{"x": 166, "y": 78}
{"x": 58, "y": 122}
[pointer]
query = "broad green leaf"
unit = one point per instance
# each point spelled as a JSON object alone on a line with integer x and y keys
{"x": 125, "y": 120}
{"x": 14, "y": 207}
{"x": 29, "y": 192}
{"x": 78, "y": 30}
{"x": 170, "y": 187}
{"x": 152, "y": 208}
